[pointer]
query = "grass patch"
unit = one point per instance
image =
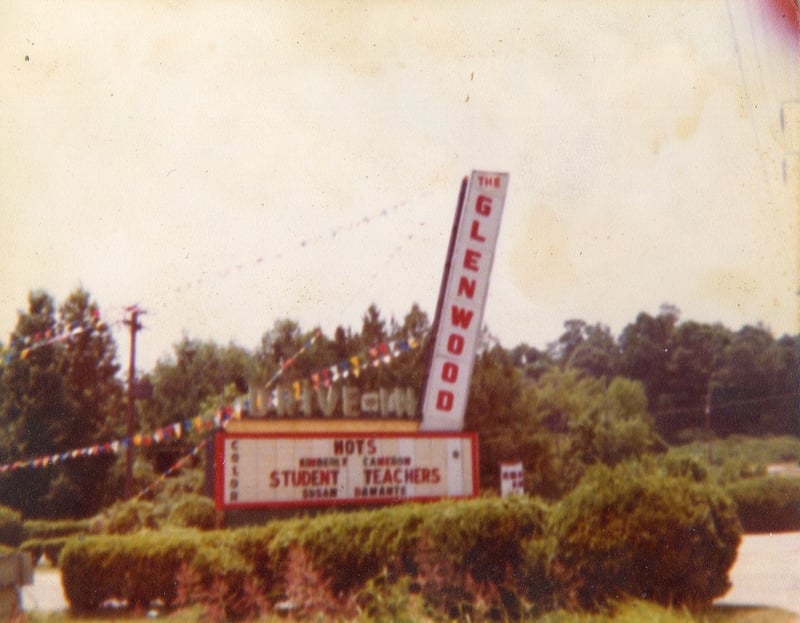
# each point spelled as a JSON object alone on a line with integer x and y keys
{"x": 631, "y": 612}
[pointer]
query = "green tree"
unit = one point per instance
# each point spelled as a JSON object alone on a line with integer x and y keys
{"x": 598, "y": 354}
{"x": 278, "y": 345}
{"x": 755, "y": 384}
{"x": 197, "y": 371}
{"x": 373, "y": 327}
{"x": 694, "y": 355}
{"x": 561, "y": 425}
{"x": 416, "y": 324}
{"x": 59, "y": 395}
{"x": 492, "y": 411}
{"x": 645, "y": 351}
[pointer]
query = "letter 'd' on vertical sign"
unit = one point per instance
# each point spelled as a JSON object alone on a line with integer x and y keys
{"x": 461, "y": 311}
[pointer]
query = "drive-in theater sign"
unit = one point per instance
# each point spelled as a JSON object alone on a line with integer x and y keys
{"x": 320, "y": 469}
{"x": 269, "y": 460}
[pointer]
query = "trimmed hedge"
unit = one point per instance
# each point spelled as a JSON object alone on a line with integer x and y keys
{"x": 645, "y": 530}
{"x": 49, "y": 548}
{"x": 482, "y": 538}
{"x": 10, "y": 527}
{"x": 139, "y": 568}
{"x": 45, "y": 529}
{"x": 193, "y": 511}
{"x": 640, "y": 531}
{"x": 767, "y": 504}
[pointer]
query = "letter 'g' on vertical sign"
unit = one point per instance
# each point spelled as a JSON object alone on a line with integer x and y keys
{"x": 460, "y": 313}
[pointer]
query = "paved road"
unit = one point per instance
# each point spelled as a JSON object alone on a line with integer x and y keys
{"x": 766, "y": 573}
{"x": 46, "y": 593}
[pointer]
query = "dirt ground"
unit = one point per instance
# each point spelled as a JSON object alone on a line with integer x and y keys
{"x": 766, "y": 573}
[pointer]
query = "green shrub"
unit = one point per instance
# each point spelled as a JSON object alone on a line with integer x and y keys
{"x": 10, "y": 527}
{"x": 49, "y": 548}
{"x": 483, "y": 541}
{"x": 52, "y": 548}
{"x": 44, "y": 529}
{"x": 767, "y": 504}
{"x": 359, "y": 543}
{"x": 138, "y": 568}
{"x": 34, "y": 547}
{"x": 486, "y": 537}
{"x": 637, "y": 530}
{"x": 193, "y": 511}
{"x": 128, "y": 517}
{"x": 266, "y": 549}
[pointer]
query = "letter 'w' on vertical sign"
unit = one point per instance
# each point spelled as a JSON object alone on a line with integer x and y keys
{"x": 462, "y": 298}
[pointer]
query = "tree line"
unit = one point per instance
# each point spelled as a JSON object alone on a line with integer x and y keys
{"x": 587, "y": 397}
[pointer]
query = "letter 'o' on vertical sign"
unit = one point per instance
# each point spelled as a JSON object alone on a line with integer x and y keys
{"x": 444, "y": 401}
{"x": 449, "y": 372}
{"x": 462, "y": 301}
{"x": 455, "y": 344}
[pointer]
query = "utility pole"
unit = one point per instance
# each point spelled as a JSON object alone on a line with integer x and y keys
{"x": 133, "y": 323}
{"x": 707, "y": 412}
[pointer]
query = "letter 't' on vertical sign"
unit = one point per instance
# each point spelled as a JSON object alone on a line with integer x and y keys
{"x": 461, "y": 308}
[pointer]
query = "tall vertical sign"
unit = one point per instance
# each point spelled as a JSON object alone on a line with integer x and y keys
{"x": 464, "y": 298}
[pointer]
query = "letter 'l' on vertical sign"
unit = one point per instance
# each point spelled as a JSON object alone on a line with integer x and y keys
{"x": 462, "y": 301}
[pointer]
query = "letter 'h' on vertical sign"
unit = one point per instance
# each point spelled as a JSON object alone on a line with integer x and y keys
{"x": 462, "y": 301}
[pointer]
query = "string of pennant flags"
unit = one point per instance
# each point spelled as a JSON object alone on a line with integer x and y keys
{"x": 49, "y": 337}
{"x": 176, "y": 467}
{"x": 374, "y": 357}
{"x": 161, "y": 435}
{"x": 381, "y": 354}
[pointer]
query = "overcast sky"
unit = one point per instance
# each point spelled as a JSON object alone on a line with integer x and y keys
{"x": 228, "y": 164}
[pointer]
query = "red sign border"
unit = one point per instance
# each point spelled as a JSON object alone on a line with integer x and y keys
{"x": 219, "y": 469}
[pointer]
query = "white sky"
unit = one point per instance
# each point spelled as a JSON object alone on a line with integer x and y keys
{"x": 302, "y": 160}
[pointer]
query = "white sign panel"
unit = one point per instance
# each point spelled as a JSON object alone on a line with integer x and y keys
{"x": 326, "y": 469}
{"x": 512, "y": 479}
{"x": 461, "y": 313}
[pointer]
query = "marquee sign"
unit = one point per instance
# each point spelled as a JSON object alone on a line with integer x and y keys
{"x": 460, "y": 313}
{"x": 279, "y": 470}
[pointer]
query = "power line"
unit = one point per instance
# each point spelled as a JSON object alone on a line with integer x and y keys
{"x": 724, "y": 405}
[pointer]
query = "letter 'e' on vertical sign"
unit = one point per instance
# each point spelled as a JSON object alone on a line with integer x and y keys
{"x": 462, "y": 303}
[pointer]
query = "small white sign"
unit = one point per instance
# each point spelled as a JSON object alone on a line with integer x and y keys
{"x": 512, "y": 479}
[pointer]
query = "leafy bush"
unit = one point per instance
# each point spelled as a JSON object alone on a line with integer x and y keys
{"x": 483, "y": 540}
{"x": 44, "y": 529}
{"x": 266, "y": 548}
{"x": 10, "y": 527}
{"x": 658, "y": 530}
{"x": 752, "y": 452}
{"x": 484, "y": 535}
{"x": 128, "y": 517}
{"x": 361, "y": 543}
{"x": 34, "y": 547}
{"x": 193, "y": 511}
{"x": 637, "y": 530}
{"x": 767, "y": 504}
{"x": 138, "y": 568}
{"x": 50, "y": 548}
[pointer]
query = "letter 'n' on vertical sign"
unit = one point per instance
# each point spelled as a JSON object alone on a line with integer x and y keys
{"x": 462, "y": 298}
